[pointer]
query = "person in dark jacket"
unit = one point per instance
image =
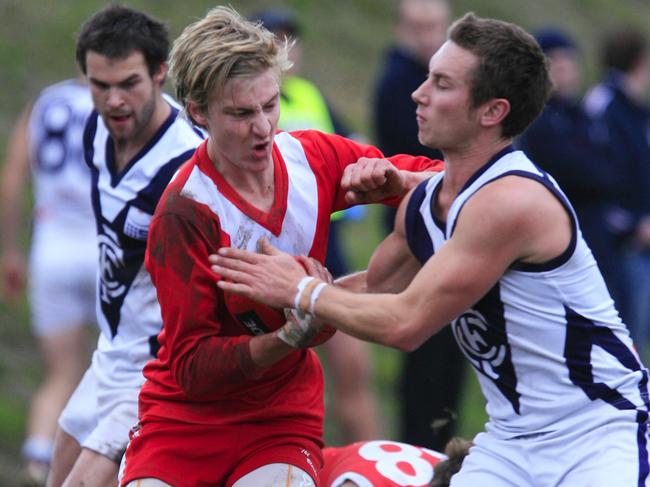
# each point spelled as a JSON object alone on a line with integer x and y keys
{"x": 617, "y": 105}
{"x": 564, "y": 141}
{"x": 431, "y": 379}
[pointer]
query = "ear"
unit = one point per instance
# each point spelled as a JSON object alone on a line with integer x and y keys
{"x": 197, "y": 115}
{"x": 494, "y": 112}
{"x": 159, "y": 76}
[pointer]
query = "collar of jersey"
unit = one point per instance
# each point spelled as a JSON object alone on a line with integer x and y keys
{"x": 271, "y": 220}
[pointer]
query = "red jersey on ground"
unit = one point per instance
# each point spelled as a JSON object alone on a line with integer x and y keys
{"x": 379, "y": 463}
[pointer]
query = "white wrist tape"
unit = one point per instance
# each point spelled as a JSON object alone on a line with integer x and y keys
{"x": 299, "y": 333}
{"x": 314, "y": 296}
{"x": 300, "y": 290}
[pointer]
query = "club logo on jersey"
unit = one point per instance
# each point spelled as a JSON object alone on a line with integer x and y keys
{"x": 252, "y": 322}
{"x": 136, "y": 224}
{"x": 118, "y": 267}
{"x": 111, "y": 258}
{"x": 470, "y": 330}
{"x": 485, "y": 343}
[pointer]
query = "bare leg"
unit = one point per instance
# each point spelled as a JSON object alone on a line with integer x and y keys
{"x": 66, "y": 452}
{"x": 147, "y": 483}
{"x": 354, "y": 402}
{"x": 274, "y": 475}
{"x": 92, "y": 470}
{"x": 66, "y": 359}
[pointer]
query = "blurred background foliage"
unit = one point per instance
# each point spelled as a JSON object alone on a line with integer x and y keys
{"x": 343, "y": 43}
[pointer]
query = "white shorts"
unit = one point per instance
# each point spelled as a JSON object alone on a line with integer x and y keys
{"x": 608, "y": 451}
{"x": 62, "y": 281}
{"x": 99, "y": 415}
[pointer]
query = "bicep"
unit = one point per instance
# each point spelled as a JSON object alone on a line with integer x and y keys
{"x": 392, "y": 266}
{"x": 487, "y": 240}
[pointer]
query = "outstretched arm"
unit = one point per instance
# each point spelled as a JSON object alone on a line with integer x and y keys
{"x": 508, "y": 220}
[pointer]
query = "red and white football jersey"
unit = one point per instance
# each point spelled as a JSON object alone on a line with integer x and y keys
{"x": 380, "y": 463}
{"x": 201, "y": 374}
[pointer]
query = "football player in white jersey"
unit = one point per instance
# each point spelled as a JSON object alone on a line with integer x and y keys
{"x": 493, "y": 246}
{"x": 134, "y": 142}
{"x": 47, "y": 139}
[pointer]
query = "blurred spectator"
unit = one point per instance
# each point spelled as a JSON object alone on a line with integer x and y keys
{"x": 432, "y": 376}
{"x": 616, "y": 104}
{"x": 563, "y": 142}
{"x": 348, "y": 360}
{"x": 63, "y": 257}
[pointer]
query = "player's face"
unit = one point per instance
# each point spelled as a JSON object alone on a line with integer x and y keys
{"x": 446, "y": 119}
{"x": 565, "y": 72}
{"x": 242, "y": 123}
{"x": 124, "y": 93}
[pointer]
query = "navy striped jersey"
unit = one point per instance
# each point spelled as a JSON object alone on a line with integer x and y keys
{"x": 124, "y": 202}
{"x": 546, "y": 341}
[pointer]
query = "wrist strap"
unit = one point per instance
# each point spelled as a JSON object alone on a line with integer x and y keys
{"x": 300, "y": 290}
{"x": 314, "y": 296}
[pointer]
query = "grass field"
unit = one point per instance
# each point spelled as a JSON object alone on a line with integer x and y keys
{"x": 344, "y": 41}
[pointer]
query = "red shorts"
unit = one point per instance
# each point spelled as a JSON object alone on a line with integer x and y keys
{"x": 197, "y": 455}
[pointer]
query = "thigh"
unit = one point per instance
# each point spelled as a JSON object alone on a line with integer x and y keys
{"x": 613, "y": 453}
{"x": 495, "y": 463}
{"x": 276, "y": 475}
{"x": 92, "y": 470}
{"x": 65, "y": 453}
{"x": 111, "y": 435}
{"x": 79, "y": 417}
{"x": 274, "y": 444}
{"x": 180, "y": 454}
{"x": 149, "y": 482}
{"x": 61, "y": 290}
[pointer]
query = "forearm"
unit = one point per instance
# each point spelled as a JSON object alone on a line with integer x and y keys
{"x": 215, "y": 363}
{"x": 267, "y": 349}
{"x": 378, "y": 318}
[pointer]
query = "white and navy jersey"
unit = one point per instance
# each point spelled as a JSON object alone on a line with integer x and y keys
{"x": 61, "y": 179}
{"x": 546, "y": 341}
{"x": 124, "y": 202}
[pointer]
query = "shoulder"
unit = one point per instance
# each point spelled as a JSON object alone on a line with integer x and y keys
{"x": 510, "y": 199}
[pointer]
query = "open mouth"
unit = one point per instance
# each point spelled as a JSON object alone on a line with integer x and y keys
{"x": 119, "y": 118}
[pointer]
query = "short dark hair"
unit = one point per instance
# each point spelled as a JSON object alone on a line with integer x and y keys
{"x": 511, "y": 66}
{"x": 116, "y": 31}
{"x": 623, "y": 49}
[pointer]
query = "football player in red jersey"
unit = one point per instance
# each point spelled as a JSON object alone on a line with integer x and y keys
{"x": 235, "y": 396}
{"x": 384, "y": 463}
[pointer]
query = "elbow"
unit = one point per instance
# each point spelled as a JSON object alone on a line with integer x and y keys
{"x": 406, "y": 337}
{"x": 190, "y": 382}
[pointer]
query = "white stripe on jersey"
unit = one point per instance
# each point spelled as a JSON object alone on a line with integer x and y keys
{"x": 546, "y": 341}
{"x": 299, "y": 224}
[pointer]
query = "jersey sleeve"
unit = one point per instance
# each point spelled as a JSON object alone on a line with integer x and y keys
{"x": 201, "y": 360}
{"x": 329, "y": 155}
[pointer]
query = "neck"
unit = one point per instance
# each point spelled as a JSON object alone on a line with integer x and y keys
{"x": 127, "y": 148}
{"x": 461, "y": 165}
{"x": 258, "y": 187}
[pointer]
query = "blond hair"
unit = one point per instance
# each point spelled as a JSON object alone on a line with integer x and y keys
{"x": 221, "y": 46}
